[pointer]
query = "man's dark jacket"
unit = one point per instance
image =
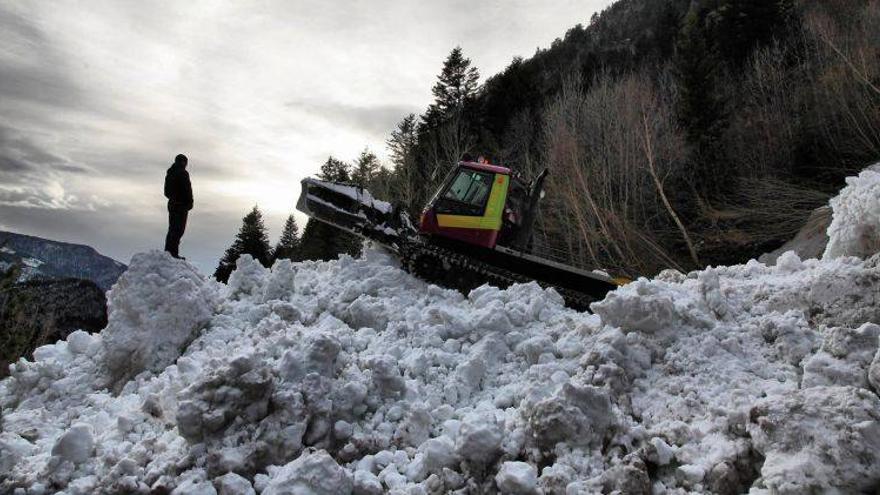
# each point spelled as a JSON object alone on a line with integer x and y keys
{"x": 178, "y": 189}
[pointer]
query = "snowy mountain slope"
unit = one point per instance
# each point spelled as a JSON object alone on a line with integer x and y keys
{"x": 45, "y": 259}
{"x": 353, "y": 377}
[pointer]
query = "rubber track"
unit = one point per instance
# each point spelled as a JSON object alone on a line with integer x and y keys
{"x": 454, "y": 270}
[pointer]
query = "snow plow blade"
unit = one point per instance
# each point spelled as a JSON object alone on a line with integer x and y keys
{"x": 355, "y": 210}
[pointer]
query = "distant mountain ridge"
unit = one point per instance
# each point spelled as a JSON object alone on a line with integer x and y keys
{"x": 43, "y": 259}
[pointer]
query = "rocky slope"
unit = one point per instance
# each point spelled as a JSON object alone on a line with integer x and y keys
{"x": 40, "y": 312}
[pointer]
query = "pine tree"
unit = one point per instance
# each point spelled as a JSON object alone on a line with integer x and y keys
{"x": 407, "y": 177}
{"x": 288, "y": 245}
{"x": 334, "y": 170}
{"x": 456, "y": 87}
{"x": 252, "y": 239}
{"x": 365, "y": 168}
{"x": 402, "y": 143}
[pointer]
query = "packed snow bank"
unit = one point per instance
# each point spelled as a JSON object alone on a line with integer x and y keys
{"x": 353, "y": 377}
{"x": 855, "y": 224}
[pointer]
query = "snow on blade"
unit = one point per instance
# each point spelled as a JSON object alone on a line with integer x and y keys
{"x": 351, "y": 376}
{"x": 358, "y": 194}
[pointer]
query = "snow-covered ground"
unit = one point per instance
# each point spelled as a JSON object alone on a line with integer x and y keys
{"x": 353, "y": 377}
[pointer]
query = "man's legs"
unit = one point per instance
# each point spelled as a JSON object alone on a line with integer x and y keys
{"x": 176, "y": 228}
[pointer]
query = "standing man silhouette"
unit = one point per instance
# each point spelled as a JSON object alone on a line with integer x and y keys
{"x": 178, "y": 190}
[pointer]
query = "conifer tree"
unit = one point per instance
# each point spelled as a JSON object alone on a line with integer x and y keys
{"x": 408, "y": 178}
{"x": 365, "y": 168}
{"x": 288, "y": 245}
{"x": 456, "y": 87}
{"x": 403, "y": 140}
{"x": 334, "y": 170}
{"x": 252, "y": 239}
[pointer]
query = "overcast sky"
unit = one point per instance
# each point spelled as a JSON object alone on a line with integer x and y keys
{"x": 97, "y": 97}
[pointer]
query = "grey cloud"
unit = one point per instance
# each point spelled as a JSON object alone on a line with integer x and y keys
{"x": 138, "y": 165}
{"x": 28, "y": 173}
{"x": 50, "y": 82}
{"x": 9, "y": 164}
{"x": 376, "y": 120}
{"x": 15, "y": 24}
{"x": 19, "y": 153}
{"x": 37, "y": 198}
{"x": 71, "y": 168}
{"x": 45, "y": 85}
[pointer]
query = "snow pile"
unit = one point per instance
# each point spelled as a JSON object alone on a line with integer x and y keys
{"x": 154, "y": 311}
{"x": 855, "y": 224}
{"x": 352, "y": 377}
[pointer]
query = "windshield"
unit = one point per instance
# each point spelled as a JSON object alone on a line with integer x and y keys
{"x": 470, "y": 187}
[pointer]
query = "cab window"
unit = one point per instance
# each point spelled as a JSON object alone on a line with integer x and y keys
{"x": 467, "y": 194}
{"x": 470, "y": 187}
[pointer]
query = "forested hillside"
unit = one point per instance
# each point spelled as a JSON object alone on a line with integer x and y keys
{"x": 677, "y": 133}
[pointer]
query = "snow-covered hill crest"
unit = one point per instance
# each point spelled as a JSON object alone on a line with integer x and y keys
{"x": 353, "y": 377}
{"x": 45, "y": 259}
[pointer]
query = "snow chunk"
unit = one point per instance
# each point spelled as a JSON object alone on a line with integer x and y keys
{"x": 386, "y": 375}
{"x": 75, "y": 445}
{"x": 819, "y": 439}
{"x": 195, "y": 487}
{"x": 844, "y": 359}
{"x": 239, "y": 390}
{"x": 789, "y": 262}
{"x": 317, "y": 355}
{"x": 517, "y": 478}
{"x": 248, "y": 279}
{"x": 80, "y": 342}
{"x": 663, "y": 453}
{"x": 12, "y": 448}
{"x": 577, "y": 415}
{"x": 312, "y": 473}
{"x": 367, "y": 483}
{"x": 874, "y": 372}
{"x": 855, "y": 222}
{"x": 434, "y": 455}
{"x": 233, "y": 484}
{"x": 479, "y": 438}
{"x": 155, "y": 309}
{"x": 642, "y": 305}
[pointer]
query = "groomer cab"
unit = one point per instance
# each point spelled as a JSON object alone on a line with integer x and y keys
{"x": 483, "y": 205}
